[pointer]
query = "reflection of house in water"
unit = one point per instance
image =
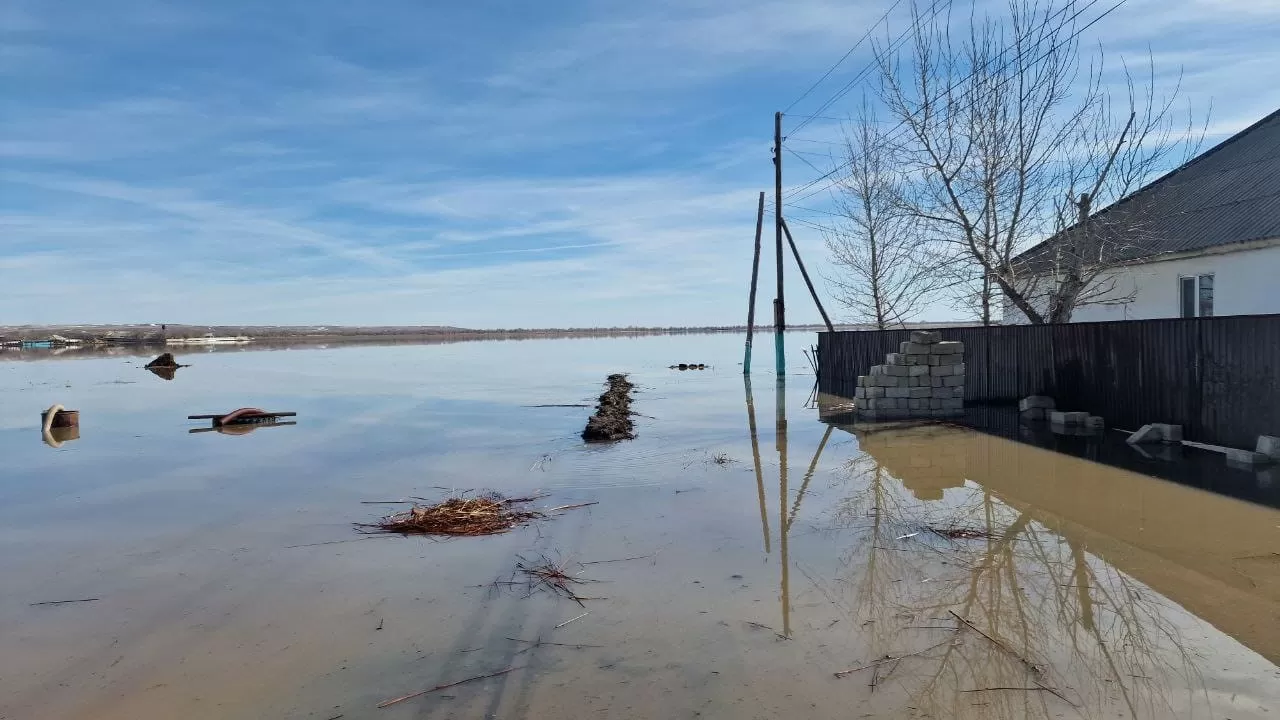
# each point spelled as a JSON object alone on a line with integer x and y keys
{"x": 1212, "y": 554}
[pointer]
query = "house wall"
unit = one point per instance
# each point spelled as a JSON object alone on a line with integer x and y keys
{"x": 1246, "y": 282}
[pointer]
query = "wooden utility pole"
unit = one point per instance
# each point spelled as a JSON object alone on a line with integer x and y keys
{"x": 755, "y": 275}
{"x": 779, "y": 307}
{"x": 805, "y": 274}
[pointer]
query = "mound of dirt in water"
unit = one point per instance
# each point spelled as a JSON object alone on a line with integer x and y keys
{"x": 167, "y": 360}
{"x": 612, "y": 420}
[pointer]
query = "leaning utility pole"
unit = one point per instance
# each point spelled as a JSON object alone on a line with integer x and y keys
{"x": 751, "y": 299}
{"x": 779, "y": 308}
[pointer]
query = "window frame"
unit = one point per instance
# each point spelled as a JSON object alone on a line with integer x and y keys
{"x": 1196, "y": 298}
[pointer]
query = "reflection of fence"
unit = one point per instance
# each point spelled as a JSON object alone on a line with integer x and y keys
{"x": 1217, "y": 377}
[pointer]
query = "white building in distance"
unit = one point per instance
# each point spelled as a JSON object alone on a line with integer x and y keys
{"x": 1210, "y": 242}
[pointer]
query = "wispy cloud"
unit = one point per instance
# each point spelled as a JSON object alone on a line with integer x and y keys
{"x": 578, "y": 163}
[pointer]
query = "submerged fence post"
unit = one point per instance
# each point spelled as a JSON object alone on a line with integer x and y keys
{"x": 755, "y": 276}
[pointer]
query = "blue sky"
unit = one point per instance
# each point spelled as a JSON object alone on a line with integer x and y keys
{"x": 484, "y": 164}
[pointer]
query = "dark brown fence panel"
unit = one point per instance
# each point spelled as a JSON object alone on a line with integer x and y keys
{"x": 1217, "y": 377}
{"x": 1240, "y": 378}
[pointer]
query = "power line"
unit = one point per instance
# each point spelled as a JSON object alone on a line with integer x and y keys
{"x": 933, "y": 12}
{"x": 813, "y": 210}
{"x": 803, "y": 159}
{"x": 820, "y": 142}
{"x": 844, "y": 57}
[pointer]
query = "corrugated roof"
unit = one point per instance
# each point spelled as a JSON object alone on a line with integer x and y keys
{"x": 1227, "y": 195}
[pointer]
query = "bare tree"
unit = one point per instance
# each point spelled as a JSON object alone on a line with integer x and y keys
{"x": 883, "y": 277}
{"x": 1009, "y": 135}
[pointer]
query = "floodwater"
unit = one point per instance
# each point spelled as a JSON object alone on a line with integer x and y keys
{"x": 953, "y": 573}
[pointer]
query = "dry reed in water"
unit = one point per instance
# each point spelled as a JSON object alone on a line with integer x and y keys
{"x": 488, "y": 514}
{"x": 553, "y": 577}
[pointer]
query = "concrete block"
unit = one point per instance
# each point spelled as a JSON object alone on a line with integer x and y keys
{"x": 918, "y": 404}
{"x": 957, "y": 391}
{"x": 946, "y": 347}
{"x": 935, "y": 403}
{"x": 1170, "y": 433}
{"x": 1043, "y": 402}
{"x": 934, "y": 360}
{"x": 875, "y": 392}
{"x": 898, "y": 381}
{"x": 897, "y": 414}
{"x": 935, "y": 381}
{"x": 896, "y": 392}
{"x": 954, "y": 381}
{"x": 1095, "y": 422}
{"x": 1035, "y": 413}
{"x": 951, "y": 359}
{"x": 860, "y": 392}
{"x": 942, "y": 370}
{"x": 1059, "y": 417}
{"x": 1246, "y": 457}
{"x": 910, "y": 348}
{"x": 1145, "y": 434}
{"x": 898, "y": 370}
{"x": 917, "y": 359}
{"x": 958, "y": 369}
{"x": 925, "y": 337}
{"x": 920, "y": 392}
{"x": 951, "y": 403}
{"x": 876, "y": 370}
{"x": 861, "y": 403}
{"x": 862, "y": 381}
{"x": 947, "y": 412}
{"x": 913, "y": 382}
{"x": 1269, "y": 446}
{"x": 917, "y": 370}
{"x": 895, "y": 359}
{"x": 1064, "y": 429}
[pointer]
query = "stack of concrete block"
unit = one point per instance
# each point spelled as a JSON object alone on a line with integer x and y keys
{"x": 1042, "y": 407}
{"x": 924, "y": 379}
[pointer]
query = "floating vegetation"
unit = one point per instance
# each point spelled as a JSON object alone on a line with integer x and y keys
{"x": 488, "y": 514}
{"x": 544, "y": 574}
{"x": 612, "y": 420}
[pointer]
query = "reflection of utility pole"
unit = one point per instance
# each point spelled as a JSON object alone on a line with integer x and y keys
{"x": 808, "y": 476}
{"x": 781, "y": 397}
{"x": 755, "y": 456}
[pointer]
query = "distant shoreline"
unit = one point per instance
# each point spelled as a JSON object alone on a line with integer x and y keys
{"x": 84, "y": 341}
{"x": 192, "y": 335}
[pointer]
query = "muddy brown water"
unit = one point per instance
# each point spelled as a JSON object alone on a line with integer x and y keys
{"x": 230, "y": 583}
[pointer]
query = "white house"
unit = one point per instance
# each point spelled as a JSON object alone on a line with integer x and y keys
{"x": 1211, "y": 237}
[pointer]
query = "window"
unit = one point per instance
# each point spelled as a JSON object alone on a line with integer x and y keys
{"x": 1195, "y": 296}
{"x": 1206, "y": 296}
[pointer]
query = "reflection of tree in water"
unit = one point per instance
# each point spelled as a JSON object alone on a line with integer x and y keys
{"x": 1058, "y": 619}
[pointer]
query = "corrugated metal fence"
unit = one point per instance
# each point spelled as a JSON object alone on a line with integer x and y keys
{"x": 1217, "y": 377}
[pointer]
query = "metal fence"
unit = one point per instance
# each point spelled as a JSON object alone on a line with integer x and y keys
{"x": 1217, "y": 377}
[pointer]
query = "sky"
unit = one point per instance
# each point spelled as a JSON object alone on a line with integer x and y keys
{"x": 484, "y": 164}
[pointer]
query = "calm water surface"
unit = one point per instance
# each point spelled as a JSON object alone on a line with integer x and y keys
{"x": 1073, "y": 590}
